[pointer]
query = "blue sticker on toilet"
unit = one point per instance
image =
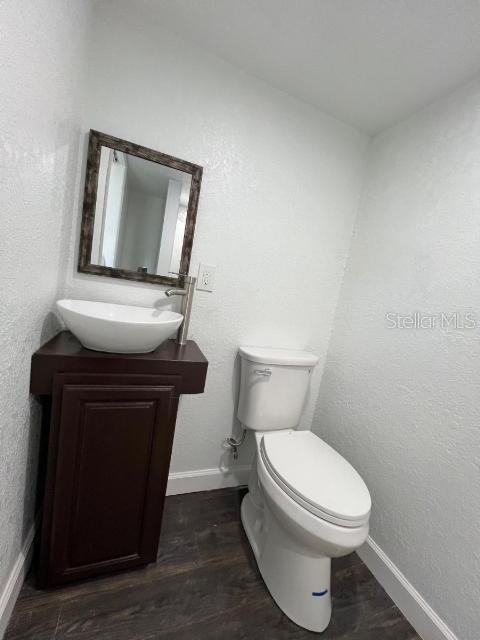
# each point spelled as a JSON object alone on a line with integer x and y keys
{"x": 319, "y": 594}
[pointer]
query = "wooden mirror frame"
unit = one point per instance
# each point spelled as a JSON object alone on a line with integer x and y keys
{"x": 95, "y": 142}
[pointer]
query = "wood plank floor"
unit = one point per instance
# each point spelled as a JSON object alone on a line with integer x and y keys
{"x": 205, "y": 586}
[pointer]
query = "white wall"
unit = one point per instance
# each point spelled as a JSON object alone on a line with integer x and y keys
{"x": 115, "y": 202}
{"x": 142, "y": 229}
{"x": 42, "y": 53}
{"x": 103, "y": 171}
{"x": 176, "y": 257}
{"x": 170, "y": 229}
{"x": 279, "y": 195}
{"x": 404, "y": 405}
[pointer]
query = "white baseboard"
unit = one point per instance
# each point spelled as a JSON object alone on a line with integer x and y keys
{"x": 9, "y": 594}
{"x": 207, "y": 479}
{"x": 418, "y": 612}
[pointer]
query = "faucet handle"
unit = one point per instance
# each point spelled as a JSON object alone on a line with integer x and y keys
{"x": 190, "y": 279}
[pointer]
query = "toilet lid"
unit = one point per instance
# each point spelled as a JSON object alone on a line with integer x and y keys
{"x": 316, "y": 476}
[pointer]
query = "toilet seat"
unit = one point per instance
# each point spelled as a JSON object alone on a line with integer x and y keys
{"x": 316, "y": 477}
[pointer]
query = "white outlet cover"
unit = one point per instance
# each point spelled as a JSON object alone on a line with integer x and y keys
{"x": 206, "y": 277}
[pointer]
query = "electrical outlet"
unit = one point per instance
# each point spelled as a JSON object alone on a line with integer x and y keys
{"x": 206, "y": 277}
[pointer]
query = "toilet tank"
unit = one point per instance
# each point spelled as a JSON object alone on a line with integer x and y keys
{"x": 273, "y": 387}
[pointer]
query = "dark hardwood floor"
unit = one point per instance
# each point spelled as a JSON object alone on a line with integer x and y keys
{"x": 205, "y": 585}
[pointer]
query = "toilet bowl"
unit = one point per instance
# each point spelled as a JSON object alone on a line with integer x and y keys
{"x": 306, "y": 504}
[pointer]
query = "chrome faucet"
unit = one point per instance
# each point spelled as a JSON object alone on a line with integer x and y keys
{"x": 187, "y": 300}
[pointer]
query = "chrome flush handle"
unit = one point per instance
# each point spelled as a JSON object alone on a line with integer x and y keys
{"x": 263, "y": 372}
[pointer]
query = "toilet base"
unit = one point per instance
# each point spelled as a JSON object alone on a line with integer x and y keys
{"x": 297, "y": 578}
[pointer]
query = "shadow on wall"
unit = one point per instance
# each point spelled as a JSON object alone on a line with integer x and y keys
{"x": 235, "y": 378}
{"x": 39, "y": 419}
{"x": 64, "y": 195}
{"x": 70, "y": 155}
{"x": 248, "y": 449}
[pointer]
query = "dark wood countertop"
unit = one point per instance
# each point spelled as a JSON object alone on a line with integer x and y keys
{"x": 64, "y": 353}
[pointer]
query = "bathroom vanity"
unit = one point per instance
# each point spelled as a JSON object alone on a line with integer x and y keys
{"x": 110, "y": 420}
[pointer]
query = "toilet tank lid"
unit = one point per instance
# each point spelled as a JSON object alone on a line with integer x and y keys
{"x": 287, "y": 357}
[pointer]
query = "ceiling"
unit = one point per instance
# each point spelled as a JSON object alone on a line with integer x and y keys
{"x": 370, "y": 63}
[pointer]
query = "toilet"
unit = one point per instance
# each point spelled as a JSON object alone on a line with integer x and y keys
{"x": 305, "y": 504}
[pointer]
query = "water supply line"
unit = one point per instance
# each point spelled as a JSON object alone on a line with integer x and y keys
{"x": 235, "y": 443}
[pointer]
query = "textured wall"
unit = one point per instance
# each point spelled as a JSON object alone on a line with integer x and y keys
{"x": 42, "y": 55}
{"x": 279, "y": 195}
{"x": 403, "y": 404}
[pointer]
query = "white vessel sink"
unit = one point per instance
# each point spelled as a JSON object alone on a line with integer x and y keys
{"x": 118, "y": 328}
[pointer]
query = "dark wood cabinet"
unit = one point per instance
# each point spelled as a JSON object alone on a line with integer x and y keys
{"x": 109, "y": 445}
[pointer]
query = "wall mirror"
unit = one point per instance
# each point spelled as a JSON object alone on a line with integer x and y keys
{"x": 139, "y": 212}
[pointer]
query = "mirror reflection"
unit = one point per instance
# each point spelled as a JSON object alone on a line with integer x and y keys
{"x": 140, "y": 214}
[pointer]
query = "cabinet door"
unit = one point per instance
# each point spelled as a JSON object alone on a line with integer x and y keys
{"x": 108, "y": 468}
